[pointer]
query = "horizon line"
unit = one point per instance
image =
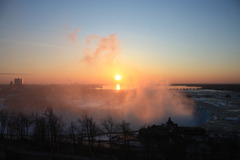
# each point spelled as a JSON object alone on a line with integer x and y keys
{"x": 23, "y": 74}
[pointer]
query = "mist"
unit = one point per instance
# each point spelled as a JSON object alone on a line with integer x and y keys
{"x": 101, "y": 49}
{"x": 140, "y": 106}
{"x": 152, "y": 105}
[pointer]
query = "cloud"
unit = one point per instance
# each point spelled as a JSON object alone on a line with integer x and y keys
{"x": 101, "y": 49}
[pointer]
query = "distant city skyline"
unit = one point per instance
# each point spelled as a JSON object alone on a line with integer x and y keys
{"x": 91, "y": 41}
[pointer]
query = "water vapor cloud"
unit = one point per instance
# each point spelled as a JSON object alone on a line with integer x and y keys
{"x": 101, "y": 49}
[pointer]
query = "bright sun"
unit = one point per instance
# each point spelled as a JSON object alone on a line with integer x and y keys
{"x": 118, "y": 77}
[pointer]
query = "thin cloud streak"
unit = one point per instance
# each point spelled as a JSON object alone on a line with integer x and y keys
{"x": 42, "y": 44}
{"x": 22, "y": 74}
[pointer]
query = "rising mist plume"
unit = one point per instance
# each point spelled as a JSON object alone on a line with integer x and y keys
{"x": 101, "y": 49}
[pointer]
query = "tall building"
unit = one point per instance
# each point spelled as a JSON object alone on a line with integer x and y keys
{"x": 18, "y": 82}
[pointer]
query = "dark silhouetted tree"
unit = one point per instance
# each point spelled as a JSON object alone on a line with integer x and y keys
{"x": 24, "y": 122}
{"x": 11, "y": 125}
{"x": 125, "y": 134}
{"x": 3, "y": 121}
{"x": 72, "y": 130}
{"x": 55, "y": 125}
{"x": 40, "y": 129}
{"x": 89, "y": 128}
{"x": 124, "y": 128}
{"x": 110, "y": 127}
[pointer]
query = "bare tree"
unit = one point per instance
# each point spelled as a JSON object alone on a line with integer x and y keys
{"x": 24, "y": 122}
{"x": 15, "y": 126}
{"x": 72, "y": 131}
{"x": 125, "y": 130}
{"x": 54, "y": 125}
{"x": 11, "y": 125}
{"x": 89, "y": 128}
{"x": 110, "y": 127}
{"x": 3, "y": 121}
{"x": 40, "y": 129}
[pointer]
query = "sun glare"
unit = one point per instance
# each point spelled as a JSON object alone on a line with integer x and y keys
{"x": 118, "y": 87}
{"x": 118, "y": 77}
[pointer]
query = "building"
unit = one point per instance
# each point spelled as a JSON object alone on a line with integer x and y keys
{"x": 18, "y": 82}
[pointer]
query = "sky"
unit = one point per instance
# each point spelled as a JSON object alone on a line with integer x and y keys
{"x": 90, "y": 41}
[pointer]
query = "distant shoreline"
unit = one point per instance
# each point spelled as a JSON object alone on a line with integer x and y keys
{"x": 229, "y": 87}
{"x": 225, "y": 87}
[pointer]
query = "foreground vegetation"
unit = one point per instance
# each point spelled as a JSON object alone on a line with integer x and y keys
{"x": 47, "y": 136}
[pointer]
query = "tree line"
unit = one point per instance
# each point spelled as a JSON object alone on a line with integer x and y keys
{"x": 49, "y": 129}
